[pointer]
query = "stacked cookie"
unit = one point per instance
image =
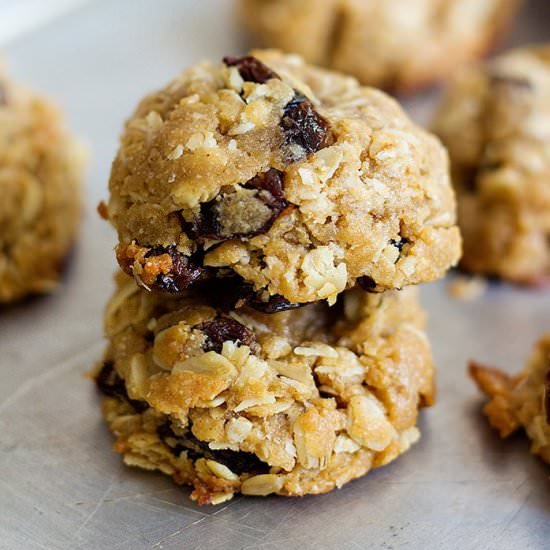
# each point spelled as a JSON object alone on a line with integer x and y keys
{"x": 268, "y": 213}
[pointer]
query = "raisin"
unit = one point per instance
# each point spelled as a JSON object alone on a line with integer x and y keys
{"x": 367, "y": 283}
{"x": 111, "y": 384}
{"x": 222, "y": 329}
{"x": 185, "y": 272}
{"x": 251, "y": 69}
{"x": 275, "y": 304}
{"x": 269, "y": 192}
{"x": 547, "y": 396}
{"x": 304, "y": 127}
{"x": 399, "y": 244}
{"x": 233, "y": 293}
{"x": 270, "y": 181}
{"x": 224, "y": 293}
{"x": 238, "y": 462}
{"x": 207, "y": 223}
{"x": 179, "y": 444}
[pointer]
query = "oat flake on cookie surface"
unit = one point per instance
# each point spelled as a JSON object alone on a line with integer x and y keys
{"x": 293, "y": 403}
{"x": 293, "y": 181}
{"x": 40, "y": 173}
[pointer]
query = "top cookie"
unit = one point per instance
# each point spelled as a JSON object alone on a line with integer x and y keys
{"x": 291, "y": 182}
{"x": 398, "y": 44}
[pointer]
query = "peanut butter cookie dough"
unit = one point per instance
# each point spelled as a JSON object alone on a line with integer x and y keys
{"x": 294, "y": 181}
{"x": 398, "y": 44}
{"x": 40, "y": 168}
{"x": 495, "y": 122}
{"x": 293, "y": 403}
{"x": 520, "y": 402}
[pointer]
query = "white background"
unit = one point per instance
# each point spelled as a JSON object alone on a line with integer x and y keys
{"x": 20, "y": 16}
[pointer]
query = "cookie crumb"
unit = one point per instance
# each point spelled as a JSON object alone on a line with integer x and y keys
{"x": 103, "y": 210}
{"x": 520, "y": 401}
{"x": 467, "y": 288}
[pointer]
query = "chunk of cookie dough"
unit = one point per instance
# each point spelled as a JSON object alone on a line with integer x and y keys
{"x": 522, "y": 401}
{"x": 293, "y": 403}
{"x": 40, "y": 171}
{"x": 495, "y": 122}
{"x": 397, "y": 44}
{"x": 296, "y": 180}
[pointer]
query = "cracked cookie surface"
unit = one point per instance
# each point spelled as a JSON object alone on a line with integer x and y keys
{"x": 521, "y": 401}
{"x": 293, "y": 403}
{"x": 295, "y": 181}
{"x": 501, "y": 171}
{"x": 40, "y": 172}
{"x": 398, "y": 44}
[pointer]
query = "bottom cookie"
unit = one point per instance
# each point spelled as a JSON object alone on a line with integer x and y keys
{"x": 521, "y": 401}
{"x": 293, "y": 403}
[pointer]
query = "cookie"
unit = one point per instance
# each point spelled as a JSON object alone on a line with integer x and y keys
{"x": 295, "y": 182}
{"x": 393, "y": 44}
{"x": 495, "y": 121}
{"x": 40, "y": 170}
{"x": 293, "y": 403}
{"x": 522, "y": 401}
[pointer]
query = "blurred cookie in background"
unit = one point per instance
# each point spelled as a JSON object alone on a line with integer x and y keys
{"x": 495, "y": 121}
{"x": 40, "y": 173}
{"x": 395, "y": 44}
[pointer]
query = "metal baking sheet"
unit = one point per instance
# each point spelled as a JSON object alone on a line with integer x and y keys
{"x": 61, "y": 486}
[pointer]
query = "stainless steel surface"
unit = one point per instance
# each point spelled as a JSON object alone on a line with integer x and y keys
{"x": 61, "y": 486}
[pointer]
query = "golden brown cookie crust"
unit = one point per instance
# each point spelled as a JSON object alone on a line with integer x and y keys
{"x": 40, "y": 172}
{"x": 522, "y": 401}
{"x": 394, "y": 44}
{"x": 292, "y": 403}
{"x": 296, "y": 180}
{"x": 502, "y": 170}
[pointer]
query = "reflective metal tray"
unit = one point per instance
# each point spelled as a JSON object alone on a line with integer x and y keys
{"x": 61, "y": 486}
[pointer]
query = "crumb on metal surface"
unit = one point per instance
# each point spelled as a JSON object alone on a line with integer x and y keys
{"x": 467, "y": 288}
